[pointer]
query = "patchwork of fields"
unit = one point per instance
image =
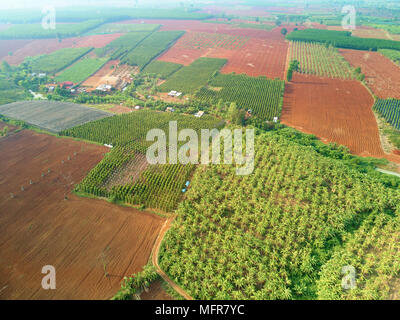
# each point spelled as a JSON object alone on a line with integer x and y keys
{"x": 82, "y": 238}
{"x": 207, "y": 232}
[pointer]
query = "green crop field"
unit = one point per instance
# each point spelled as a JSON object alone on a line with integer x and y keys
{"x": 317, "y": 59}
{"x": 36, "y": 31}
{"x": 269, "y": 234}
{"x": 9, "y": 92}
{"x": 263, "y": 96}
{"x": 51, "y": 115}
{"x": 162, "y": 68}
{"x": 124, "y": 28}
{"x": 151, "y": 47}
{"x": 191, "y": 78}
{"x": 389, "y": 109}
{"x": 56, "y": 61}
{"x": 342, "y": 39}
{"x": 81, "y": 70}
{"x": 119, "y": 47}
{"x": 159, "y": 186}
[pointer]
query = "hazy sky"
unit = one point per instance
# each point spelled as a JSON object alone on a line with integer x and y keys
{"x": 17, "y": 4}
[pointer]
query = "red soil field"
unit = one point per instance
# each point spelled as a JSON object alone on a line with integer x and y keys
{"x": 259, "y": 58}
{"x": 381, "y": 74}
{"x": 334, "y": 110}
{"x": 120, "y": 110}
{"x": 198, "y": 26}
{"x": 78, "y": 236}
{"x": 7, "y": 46}
{"x": 181, "y": 53}
{"x": 241, "y": 11}
{"x": 46, "y": 46}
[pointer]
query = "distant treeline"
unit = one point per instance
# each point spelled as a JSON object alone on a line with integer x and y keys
{"x": 108, "y": 14}
{"x": 342, "y": 39}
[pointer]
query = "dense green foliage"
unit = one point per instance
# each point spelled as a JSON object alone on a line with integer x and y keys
{"x": 10, "y": 92}
{"x": 121, "y": 46}
{"x": 342, "y": 39}
{"x": 124, "y": 28}
{"x": 132, "y": 286}
{"x": 190, "y": 78}
{"x": 159, "y": 186}
{"x": 389, "y": 109}
{"x": 374, "y": 252}
{"x": 263, "y": 96}
{"x": 267, "y": 235}
{"x": 34, "y": 31}
{"x": 55, "y": 61}
{"x": 161, "y": 68}
{"x": 81, "y": 70}
{"x": 83, "y": 13}
{"x": 151, "y": 47}
{"x": 320, "y": 60}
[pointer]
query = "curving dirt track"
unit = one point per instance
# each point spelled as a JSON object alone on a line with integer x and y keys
{"x": 154, "y": 259}
{"x": 78, "y": 236}
{"x": 381, "y": 74}
{"x": 334, "y": 110}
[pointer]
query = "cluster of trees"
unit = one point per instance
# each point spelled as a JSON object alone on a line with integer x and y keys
{"x": 268, "y": 235}
{"x": 158, "y": 186}
{"x": 293, "y": 66}
{"x": 342, "y": 39}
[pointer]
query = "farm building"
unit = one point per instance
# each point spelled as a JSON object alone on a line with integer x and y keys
{"x": 104, "y": 87}
{"x": 199, "y": 114}
{"x": 174, "y": 94}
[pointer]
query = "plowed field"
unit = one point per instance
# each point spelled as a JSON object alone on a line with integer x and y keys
{"x": 381, "y": 74}
{"x": 91, "y": 243}
{"x": 334, "y": 110}
{"x": 46, "y": 46}
{"x": 259, "y": 58}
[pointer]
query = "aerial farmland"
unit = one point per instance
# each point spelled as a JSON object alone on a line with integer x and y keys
{"x": 216, "y": 150}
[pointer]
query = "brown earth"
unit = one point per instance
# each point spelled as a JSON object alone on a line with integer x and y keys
{"x": 120, "y": 109}
{"x": 259, "y": 58}
{"x": 334, "y": 110}
{"x": 381, "y": 74}
{"x": 7, "y": 46}
{"x": 46, "y": 46}
{"x": 78, "y": 236}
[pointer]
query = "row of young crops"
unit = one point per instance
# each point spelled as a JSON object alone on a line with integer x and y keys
{"x": 320, "y": 60}
{"x": 342, "y": 39}
{"x": 263, "y": 96}
{"x": 57, "y": 60}
{"x": 151, "y": 47}
{"x": 191, "y": 78}
{"x": 268, "y": 235}
{"x": 162, "y": 68}
{"x": 159, "y": 186}
{"x": 202, "y": 40}
{"x": 81, "y": 70}
{"x": 389, "y": 109}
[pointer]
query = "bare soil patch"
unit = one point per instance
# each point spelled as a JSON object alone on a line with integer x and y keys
{"x": 381, "y": 74}
{"x": 80, "y": 237}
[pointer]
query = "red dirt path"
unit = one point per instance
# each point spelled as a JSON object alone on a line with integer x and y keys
{"x": 334, "y": 110}
{"x": 46, "y": 46}
{"x": 77, "y": 236}
{"x": 381, "y": 74}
